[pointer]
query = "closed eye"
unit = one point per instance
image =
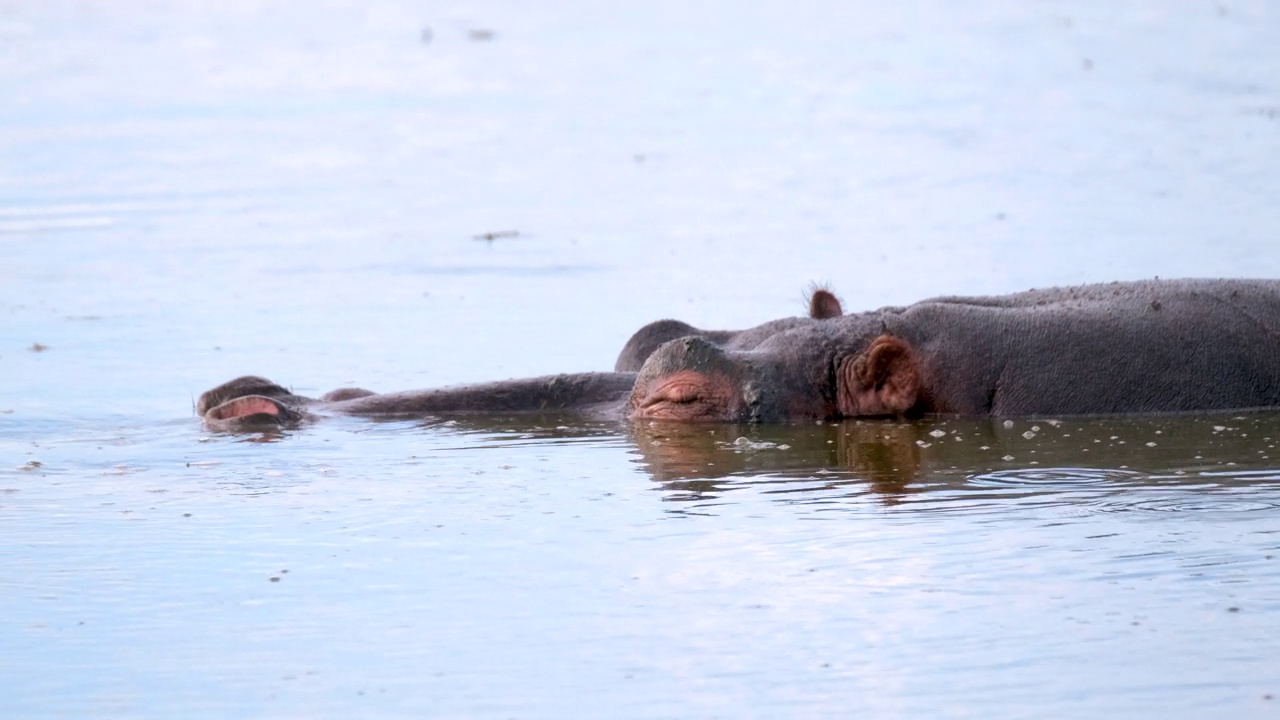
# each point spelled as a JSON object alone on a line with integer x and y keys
{"x": 680, "y": 394}
{"x": 686, "y": 395}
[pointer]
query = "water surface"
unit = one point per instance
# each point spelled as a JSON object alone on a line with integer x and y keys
{"x": 398, "y": 196}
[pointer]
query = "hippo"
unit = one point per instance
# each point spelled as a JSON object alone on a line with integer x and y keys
{"x": 1153, "y": 346}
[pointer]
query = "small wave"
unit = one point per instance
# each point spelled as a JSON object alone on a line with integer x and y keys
{"x": 1213, "y": 503}
{"x": 1056, "y": 478}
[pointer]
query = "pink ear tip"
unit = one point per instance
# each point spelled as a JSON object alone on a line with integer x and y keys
{"x": 823, "y": 304}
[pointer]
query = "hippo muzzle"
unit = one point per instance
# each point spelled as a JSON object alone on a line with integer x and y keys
{"x": 693, "y": 379}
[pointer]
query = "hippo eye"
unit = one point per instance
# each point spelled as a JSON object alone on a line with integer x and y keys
{"x": 682, "y": 394}
{"x": 686, "y": 395}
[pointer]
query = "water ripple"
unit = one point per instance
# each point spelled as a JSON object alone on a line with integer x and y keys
{"x": 1068, "y": 478}
{"x": 1189, "y": 503}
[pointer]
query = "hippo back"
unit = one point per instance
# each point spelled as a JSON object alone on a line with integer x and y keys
{"x": 1151, "y": 346}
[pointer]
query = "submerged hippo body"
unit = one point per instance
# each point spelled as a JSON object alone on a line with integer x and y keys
{"x": 1152, "y": 346}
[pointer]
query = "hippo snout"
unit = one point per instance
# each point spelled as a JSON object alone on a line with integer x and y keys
{"x": 250, "y": 410}
{"x": 248, "y": 401}
{"x": 688, "y": 379}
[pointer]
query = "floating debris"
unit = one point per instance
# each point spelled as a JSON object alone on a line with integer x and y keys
{"x": 497, "y": 235}
{"x": 743, "y": 444}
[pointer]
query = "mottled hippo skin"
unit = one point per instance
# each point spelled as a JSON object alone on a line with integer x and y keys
{"x": 1153, "y": 346}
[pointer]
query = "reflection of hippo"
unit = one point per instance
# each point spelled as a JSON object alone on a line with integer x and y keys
{"x": 1210, "y": 452}
{"x": 1154, "y": 346}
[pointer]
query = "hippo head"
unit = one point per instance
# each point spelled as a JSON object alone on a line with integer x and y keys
{"x": 249, "y": 401}
{"x": 824, "y": 369}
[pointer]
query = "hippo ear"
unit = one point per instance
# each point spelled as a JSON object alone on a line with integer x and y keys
{"x": 824, "y": 305}
{"x": 882, "y": 380}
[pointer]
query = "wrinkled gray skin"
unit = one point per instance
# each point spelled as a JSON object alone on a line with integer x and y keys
{"x": 1151, "y": 346}
{"x": 251, "y": 400}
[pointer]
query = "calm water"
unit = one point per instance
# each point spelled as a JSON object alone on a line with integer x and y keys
{"x": 189, "y": 193}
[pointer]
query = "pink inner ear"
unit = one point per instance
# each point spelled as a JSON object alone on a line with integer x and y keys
{"x": 243, "y": 406}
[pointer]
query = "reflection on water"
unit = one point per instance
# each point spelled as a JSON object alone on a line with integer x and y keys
{"x": 592, "y": 556}
{"x": 920, "y": 465}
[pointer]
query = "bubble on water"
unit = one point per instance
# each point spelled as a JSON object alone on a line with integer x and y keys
{"x": 743, "y": 444}
{"x": 1007, "y": 458}
{"x": 1028, "y": 434}
{"x": 1008, "y": 424}
{"x": 923, "y": 444}
{"x": 1035, "y": 428}
{"x": 1151, "y": 444}
{"x": 938, "y": 433}
{"x": 984, "y": 447}
{"x": 1219, "y": 428}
